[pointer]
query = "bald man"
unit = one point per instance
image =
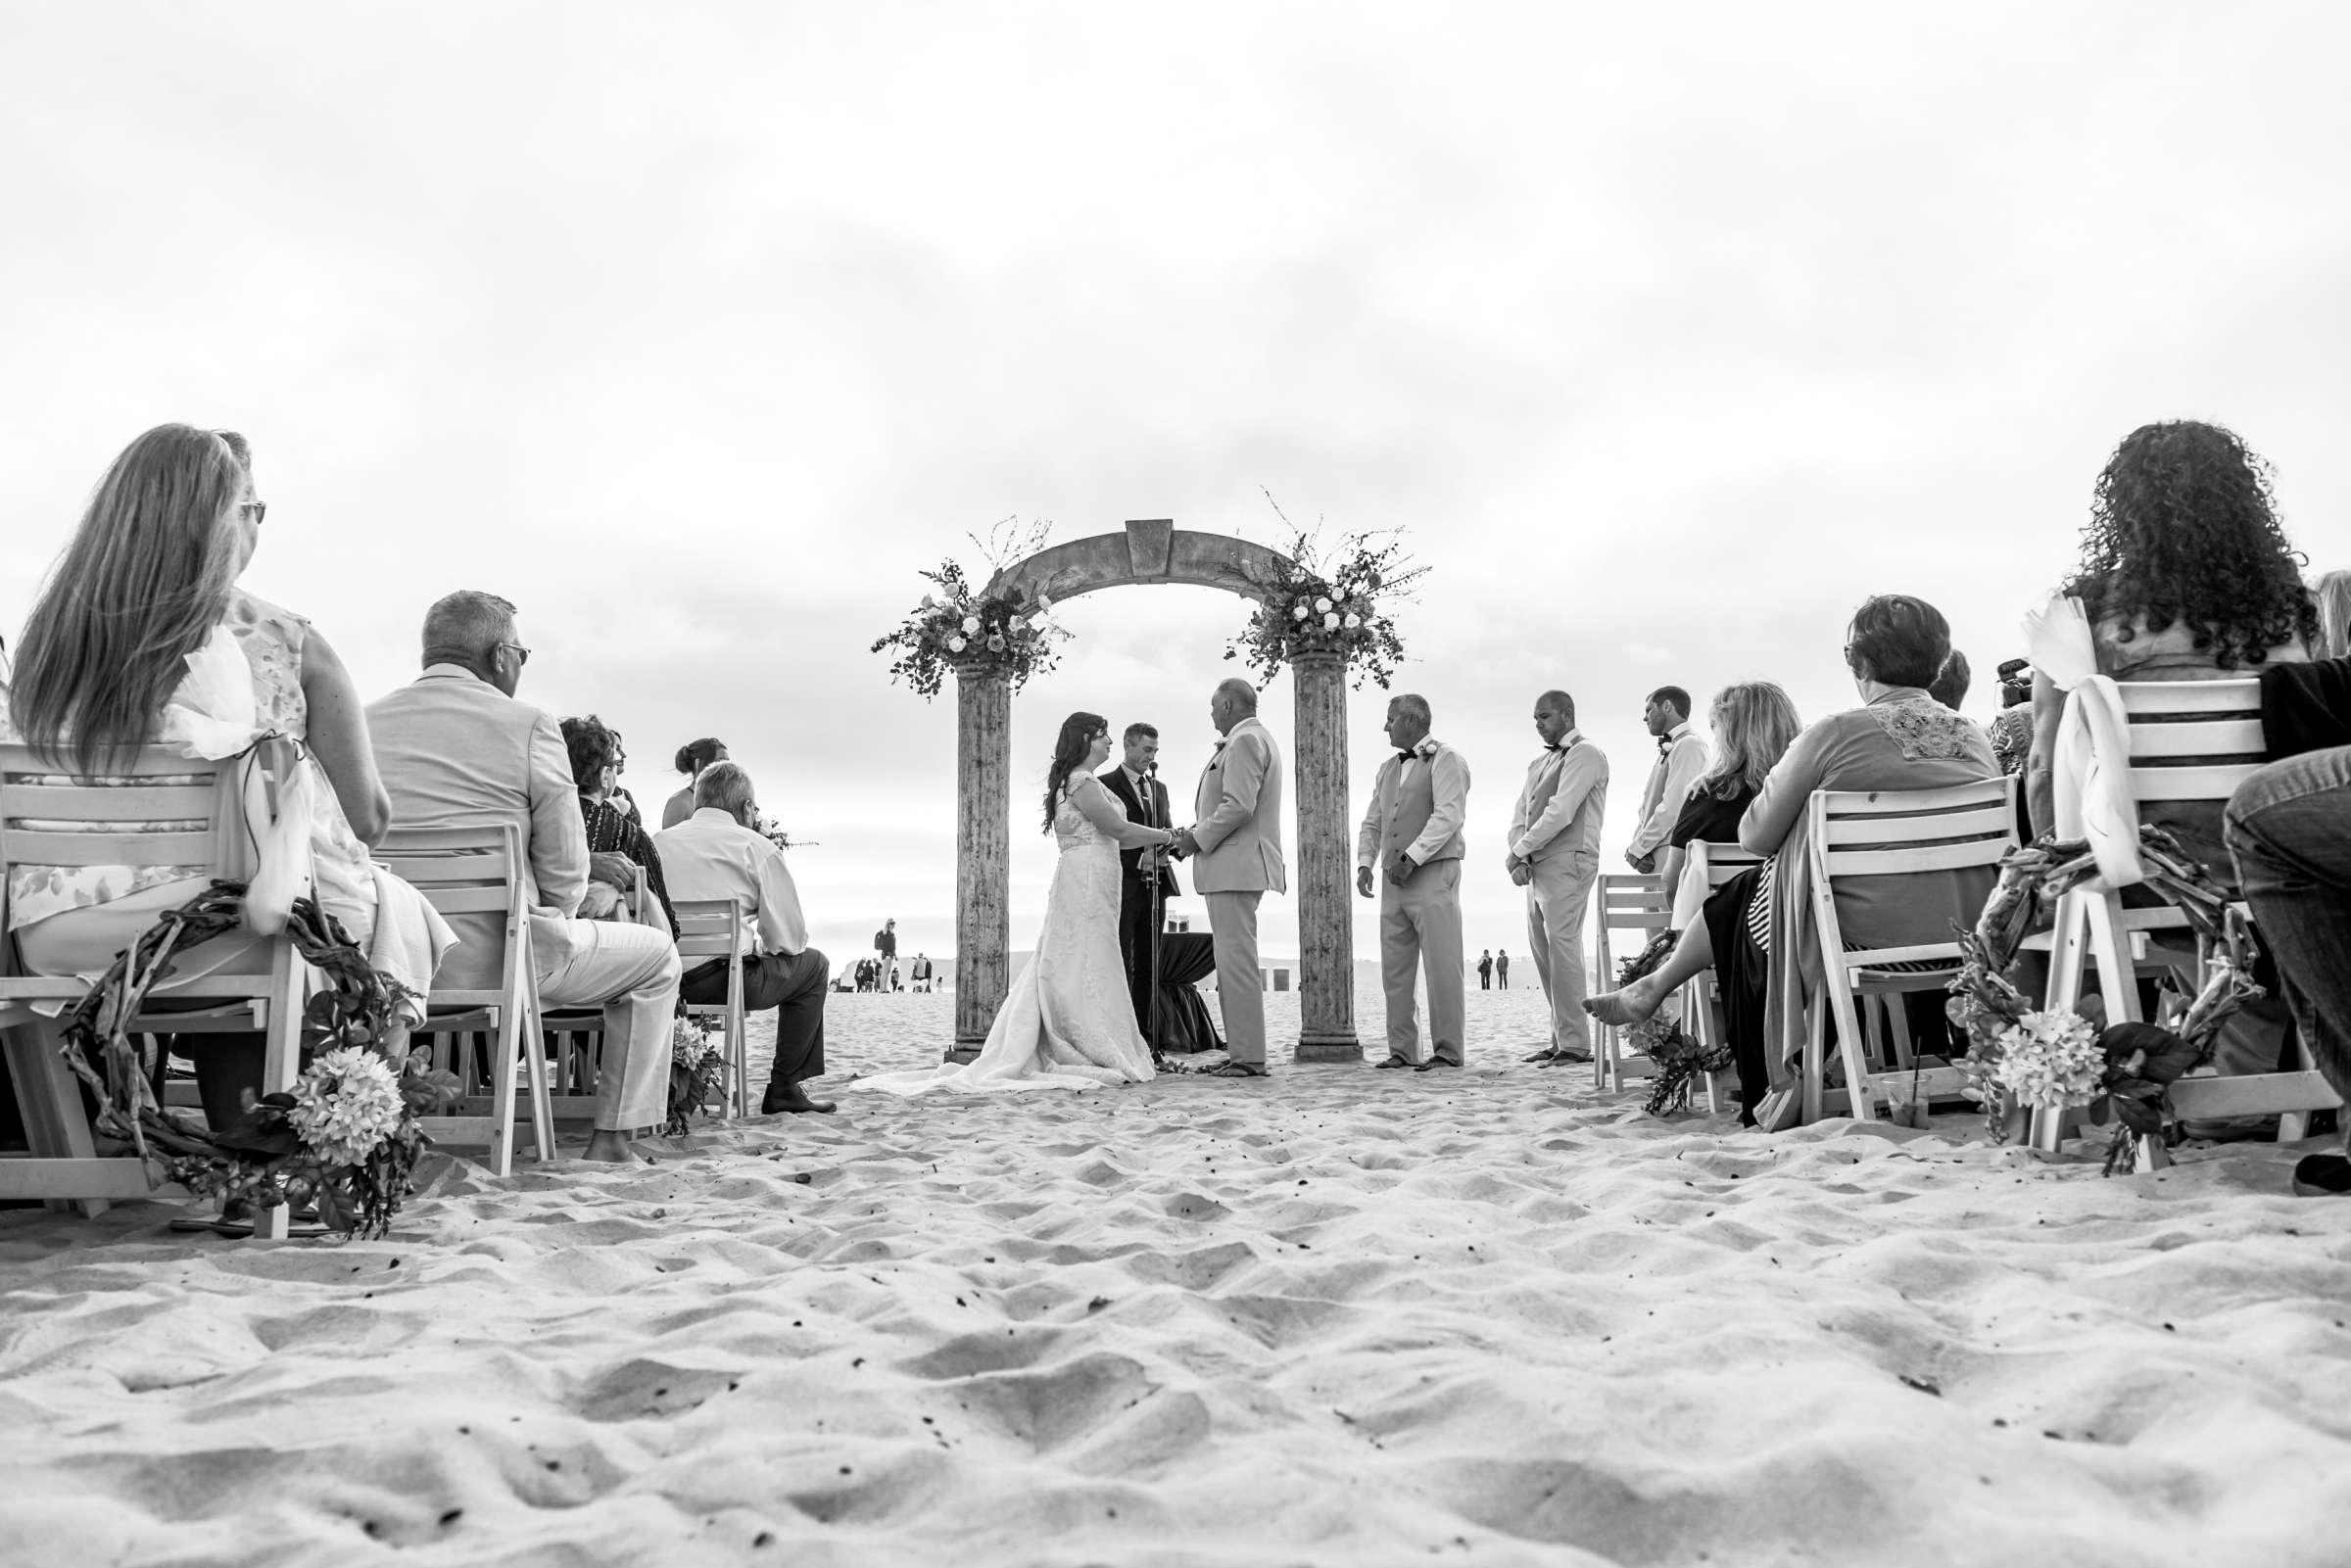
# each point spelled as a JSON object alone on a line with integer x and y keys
{"x": 1236, "y": 839}
{"x": 1555, "y": 855}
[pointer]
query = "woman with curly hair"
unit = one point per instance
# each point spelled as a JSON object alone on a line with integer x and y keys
{"x": 2186, "y": 575}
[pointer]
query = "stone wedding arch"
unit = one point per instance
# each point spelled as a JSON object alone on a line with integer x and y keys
{"x": 1156, "y": 552}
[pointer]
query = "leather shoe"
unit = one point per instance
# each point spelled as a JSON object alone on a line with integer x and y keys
{"x": 1434, "y": 1062}
{"x": 1390, "y": 1064}
{"x": 1544, "y": 1055}
{"x": 1568, "y": 1058}
{"x": 2323, "y": 1176}
{"x": 783, "y": 1097}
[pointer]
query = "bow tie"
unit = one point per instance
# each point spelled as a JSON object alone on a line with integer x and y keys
{"x": 1554, "y": 746}
{"x": 1665, "y": 744}
{"x": 1406, "y": 755}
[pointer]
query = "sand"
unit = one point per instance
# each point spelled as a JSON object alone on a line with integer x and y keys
{"x": 1340, "y": 1316}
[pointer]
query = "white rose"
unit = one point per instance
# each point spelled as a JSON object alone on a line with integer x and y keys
{"x": 954, "y": 644}
{"x": 1322, "y": 606}
{"x": 1330, "y": 623}
{"x": 1298, "y": 611}
{"x": 971, "y": 624}
{"x": 1353, "y": 621}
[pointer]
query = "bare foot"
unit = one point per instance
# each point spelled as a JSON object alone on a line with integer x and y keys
{"x": 613, "y": 1149}
{"x": 1632, "y": 1005}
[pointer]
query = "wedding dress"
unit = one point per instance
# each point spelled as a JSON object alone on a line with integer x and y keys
{"x": 1069, "y": 1021}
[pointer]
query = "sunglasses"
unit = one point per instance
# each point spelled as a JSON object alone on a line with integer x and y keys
{"x": 522, "y": 655}
{"x": 256, "y": 509}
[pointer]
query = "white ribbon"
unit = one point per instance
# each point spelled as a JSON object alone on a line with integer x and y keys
{"x": 212, "y": 715}
{"x": 2092, "y": 767}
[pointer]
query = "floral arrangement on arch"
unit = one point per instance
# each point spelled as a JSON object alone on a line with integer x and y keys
{"x": 958, "y": 625}
{"x": 346, "y": 1137}
{"x": 1333, "y": 601}
{"x": 2028, "y": 1059}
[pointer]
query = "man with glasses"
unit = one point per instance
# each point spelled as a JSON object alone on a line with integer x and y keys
{"x": 455, "y": 749}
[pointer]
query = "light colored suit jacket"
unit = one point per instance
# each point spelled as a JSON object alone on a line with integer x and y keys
{"x": 454, "y": 751}
{"x": 1560, "y": 804}
{"x": 1238, "y": 816}
{"x": 1677, "y": 769}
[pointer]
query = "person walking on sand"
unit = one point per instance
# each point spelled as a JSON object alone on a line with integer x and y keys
{"x": 1236, "y": 839}
{"x": 885, "y": 954}
{"x": 1502, "y": 972}
{"x": 1555, "y": 855}
{"x": 1485, "y": 969}
{"x": 1412, "y": 842}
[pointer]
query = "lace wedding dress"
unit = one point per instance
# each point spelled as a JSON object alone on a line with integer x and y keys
{"x": 1069, "y": 1021}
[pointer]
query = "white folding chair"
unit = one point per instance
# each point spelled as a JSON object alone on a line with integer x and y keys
{"x": 1635, "y": 906}
{"x": 709, "y": 929}
{"x": 2217, "y": 725}
{"x": 61, "y": 1166}
{"x": 1911, "y": 832}
{"x": 478, "y": 871}
{"x": 1707, "y": 865}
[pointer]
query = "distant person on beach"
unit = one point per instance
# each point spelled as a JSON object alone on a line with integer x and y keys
{"x": 922, "y": 974}
{"x": 1066, "y": 1022}
{"x": 1410, "y": 843}
{"x": 456, "y": 749}
{"x": 1681, "y": 758}
{"x": 1485, "y": 969}
{"x": 1236, "y": 838}
{"x": 1555, "y": 855}
{"x": 139, "y": 638}
{"x": 718, "y": 853}
{"x": 885, "y": 954}
{"x": 693, "y": 757}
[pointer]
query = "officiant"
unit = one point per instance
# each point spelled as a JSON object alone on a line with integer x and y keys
{"x": 1135, "y": 783}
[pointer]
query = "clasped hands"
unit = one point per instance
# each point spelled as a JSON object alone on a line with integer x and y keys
{"x": 1180, "y": 847}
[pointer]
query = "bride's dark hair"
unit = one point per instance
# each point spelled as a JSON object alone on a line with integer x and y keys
{"x": 1078, "y": 733}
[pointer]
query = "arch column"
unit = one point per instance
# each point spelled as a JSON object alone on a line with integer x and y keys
{"x": 1326, "y": 923}
{"x": 982, "y": 850}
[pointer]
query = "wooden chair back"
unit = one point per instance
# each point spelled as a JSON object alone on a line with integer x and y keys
{"x": 474, "y": 876}
{"x": 1907, "y": 834}
{"x": 1633, "y": 909}
{"x": 49, "y": 817}
{"x": 709, "y": 929}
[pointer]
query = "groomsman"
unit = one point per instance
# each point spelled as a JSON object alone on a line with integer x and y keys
{"x": 1555, "y": 854}
{"x": 1146, "y": 798}
{"x": 1681, "y": 762}
{"x": 1412, "y": 842}
{"x": 1237, "y": 838}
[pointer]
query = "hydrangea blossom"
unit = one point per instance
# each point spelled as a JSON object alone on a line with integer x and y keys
{"x": 346, "y": 1104}
{"x": 2049, "y": 1061}
{"x": 971, "y": 624}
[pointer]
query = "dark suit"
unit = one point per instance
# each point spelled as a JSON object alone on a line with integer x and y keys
{"x": 1134, "y": 888}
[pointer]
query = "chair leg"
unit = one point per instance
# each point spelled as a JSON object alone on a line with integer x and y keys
{"x": 1860, "y": 1093}
{"x": 49, "y": 1097}
{"x": 502, "y": 1093}
{"x": 534, "y": 1060}
{"x": 1816, "y": 1067}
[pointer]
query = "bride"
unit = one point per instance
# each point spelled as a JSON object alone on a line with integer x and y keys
{"x": 1069, "y": 1020}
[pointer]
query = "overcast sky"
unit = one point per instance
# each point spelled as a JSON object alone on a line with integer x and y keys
{"x": 1668, "y": 334}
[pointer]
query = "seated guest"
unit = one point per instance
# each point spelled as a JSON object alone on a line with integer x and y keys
{"x": 456, "y": 749}
{"x": 719, "y": 853}
{"x": 2185, "y": 576}
{"x": 1754, "y": 723}
{"x": 2333, "y": 596}
{"x": 611, "y": 832}
{"x": 1950, "y": 683}
{"x": 2012, "y": 728}
{"x": 621, "y": 800}
{"x": 1757, "y": 934}
{"x": 693, "y": 757}
{"x": 2288, "y": 827}
{"x": 137, "y": 636}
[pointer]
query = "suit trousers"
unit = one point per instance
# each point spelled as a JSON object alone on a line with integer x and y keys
{"x": 1135, "y": 946}
{"x": 794, "y": 985}
{"x": 1241, "y": 989}
{"x": 1558, "y": 898}
{"x": 632, "y": 972}
{"x": 1420, "y": 924}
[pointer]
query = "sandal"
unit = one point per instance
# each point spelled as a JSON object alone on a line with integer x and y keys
{"x": 1235, "y": 1069}
{"x": 1391, "y": 1062}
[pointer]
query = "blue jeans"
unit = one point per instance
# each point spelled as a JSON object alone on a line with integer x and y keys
{"x": 2290, "y": 828}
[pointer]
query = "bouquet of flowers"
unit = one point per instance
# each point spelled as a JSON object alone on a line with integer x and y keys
{"x": 1681, "y": 1060}
{"x": 958, "y": 625}
{"x": 1334, "y": 604}
{"x": 698, "y": 1069}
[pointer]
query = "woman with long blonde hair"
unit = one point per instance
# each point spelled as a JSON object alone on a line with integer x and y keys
{"x": 1754, "y": 723}
{"x": 2332, "y": 593}
{"x": 142, "y": 637}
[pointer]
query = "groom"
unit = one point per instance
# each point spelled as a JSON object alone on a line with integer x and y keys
{"x": 1237, "y": 838}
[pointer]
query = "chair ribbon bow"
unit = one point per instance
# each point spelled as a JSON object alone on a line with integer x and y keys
{"x": 2092, "y": 767}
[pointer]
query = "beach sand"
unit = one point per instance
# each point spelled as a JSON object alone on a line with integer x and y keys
{"x": 1340, "y": 1316}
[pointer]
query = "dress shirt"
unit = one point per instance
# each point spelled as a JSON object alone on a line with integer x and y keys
{"x": 711, "y": 856}
{"x": 1565, "y": 801}
{"x": 1681, "y": 761}
{"x": 1449, "y": 785}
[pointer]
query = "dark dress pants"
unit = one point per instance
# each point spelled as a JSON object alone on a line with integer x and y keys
{"x": 1740, "y": 968}
{"x": 794, "y": 985}
{"x": 1135, "y": 947}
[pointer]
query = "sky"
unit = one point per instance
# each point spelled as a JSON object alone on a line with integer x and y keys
{"x": 1666, "y": 335}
